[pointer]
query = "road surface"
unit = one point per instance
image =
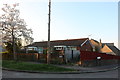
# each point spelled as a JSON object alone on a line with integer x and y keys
{"x": 12, "y": 74}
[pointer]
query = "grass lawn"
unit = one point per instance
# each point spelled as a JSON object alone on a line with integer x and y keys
{"x": 32, "y": 67}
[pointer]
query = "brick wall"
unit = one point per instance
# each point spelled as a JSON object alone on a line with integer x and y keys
{"x": 86, "y": 47}
{"x": 88, "y": 58}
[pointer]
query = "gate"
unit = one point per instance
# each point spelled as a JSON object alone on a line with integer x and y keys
{"x": 72, "y": 55}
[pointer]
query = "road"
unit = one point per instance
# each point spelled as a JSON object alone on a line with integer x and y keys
{"x": 12, "y": 74}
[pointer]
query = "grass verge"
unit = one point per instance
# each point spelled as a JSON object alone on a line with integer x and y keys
{"x": 32, "y": 67}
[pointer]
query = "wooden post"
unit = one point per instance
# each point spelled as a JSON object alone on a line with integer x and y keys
{"x": 48, "y": 52}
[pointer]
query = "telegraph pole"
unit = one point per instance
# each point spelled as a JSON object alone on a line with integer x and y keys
{"x": 48, "y": 44}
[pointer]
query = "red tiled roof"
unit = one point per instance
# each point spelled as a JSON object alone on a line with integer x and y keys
{"x": 68, "y": 42}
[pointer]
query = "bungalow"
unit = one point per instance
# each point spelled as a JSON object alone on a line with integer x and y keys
{"x": 72, "y": 48}
{"x": 82, "y": 44}
{"x": 109, "y": 48}
{"x": 69, "y": 48}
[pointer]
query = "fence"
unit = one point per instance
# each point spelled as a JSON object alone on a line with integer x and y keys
{"x": 34, "y": 57}
{"x": 20, "y": 56}
{"x": 87, "y": 55}
{"x": 88, "y": 58}
{"x": 6, "y": 56}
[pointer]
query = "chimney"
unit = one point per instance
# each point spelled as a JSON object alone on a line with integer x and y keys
{"x": 100, "y": 45}
{"x": 100, "y": 42}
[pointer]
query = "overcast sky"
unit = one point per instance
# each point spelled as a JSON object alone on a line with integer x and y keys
{"x": 71, "y": 19}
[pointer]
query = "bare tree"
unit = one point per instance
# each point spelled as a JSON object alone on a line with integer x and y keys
{"x": 13, "y": 27}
